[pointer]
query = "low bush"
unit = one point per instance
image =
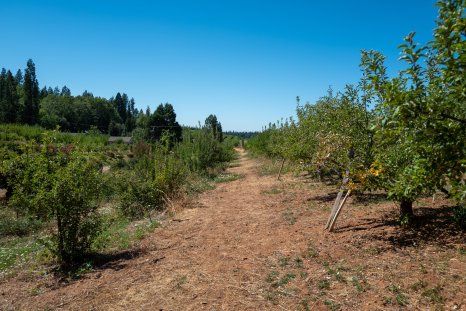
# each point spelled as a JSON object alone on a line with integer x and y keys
{"x": 59, "y": 184}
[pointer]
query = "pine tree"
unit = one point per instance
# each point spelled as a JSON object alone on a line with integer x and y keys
{"x": 30, "y": 114}
{"x": 43, "y": 92}
{"x": 130, "y": 118}
{"x": 132, "y": 104}
{"x": 120, "y": 105}
{"x": 19, "y": 77}
{"x": 220, "y": 132}
{"x": 2, "y": 95}
{"x": 125, "y": 108}
{"x": 87, "y": 94}
{"x": 164, "y": 120}
{"x": 214, "y": 127}
{"x": 11, "y": 99}
{"x": 65, "y": 91}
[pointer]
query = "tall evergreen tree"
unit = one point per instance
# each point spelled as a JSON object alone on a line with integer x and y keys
{"x": 2, "y": 81}
{"x": 220, "y": 132}
{"x": 164, "y": 120}
{"x": 11, "y": 99}
{"x": 132, "y": 104}
{"x": 130, "y": 117}
{"x": 214, "y": 127}
{"x": 65, "y": 91}
{"x": 2, "y": 94}
{"x": 19, "y": 77}
{"x": 43, "y": 92}
{"x": 87, "y": 94}
{"x": 120, "y": 105}
{"x": 30, "y": 114}
{"x": 125, "y": 108}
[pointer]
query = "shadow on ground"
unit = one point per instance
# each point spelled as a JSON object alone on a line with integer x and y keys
{"x": 329, "y": 197}
{"x": 432, "y": 226}
{"x": 113, "y": 261}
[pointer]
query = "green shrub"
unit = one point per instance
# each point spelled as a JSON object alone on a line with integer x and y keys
{"x": 199, "y": 150}
{"x": 75, "y": 191}
{"x": 139, "y": 199}
{"x": 154, "y": 178}
{"x": 61, "y": 184}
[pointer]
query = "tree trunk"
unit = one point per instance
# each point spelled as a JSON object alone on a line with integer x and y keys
{"x": 406, "y": 210}
{"x": 64, "y": 260}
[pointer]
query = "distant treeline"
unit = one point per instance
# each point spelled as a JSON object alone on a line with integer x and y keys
{"x": 244, "y": 135}
{"x": 23, "y": 102}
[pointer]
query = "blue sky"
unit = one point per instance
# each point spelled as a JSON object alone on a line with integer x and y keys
{"x": 245, "y": 61}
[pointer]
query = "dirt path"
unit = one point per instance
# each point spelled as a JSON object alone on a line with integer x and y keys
{"x": 209, "y": 258}
{"x": 250, "y": 245}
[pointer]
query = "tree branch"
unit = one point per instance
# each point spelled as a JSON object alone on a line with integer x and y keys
{"x": 447, "y": 116}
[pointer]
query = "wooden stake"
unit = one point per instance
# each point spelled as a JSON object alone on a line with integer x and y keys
{"x": 281, "y": 168}
{"x": 339, "y": 210}
{"x": 334, "y": 208}
{"x": 337, "y": 201}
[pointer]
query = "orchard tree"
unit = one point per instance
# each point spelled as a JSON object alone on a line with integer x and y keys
{"x": 421, "y": 124}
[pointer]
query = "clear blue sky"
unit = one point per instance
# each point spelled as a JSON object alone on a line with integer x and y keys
{"x": 243, "y": 60}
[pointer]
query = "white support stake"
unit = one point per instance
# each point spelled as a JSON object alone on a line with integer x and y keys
{"x": 334, "y": 208}
{"x": 339, "y": 210}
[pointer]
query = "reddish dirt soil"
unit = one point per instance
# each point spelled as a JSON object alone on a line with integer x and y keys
{"x": 258, "y": 244}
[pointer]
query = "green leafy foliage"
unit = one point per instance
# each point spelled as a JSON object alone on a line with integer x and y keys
{"x": 154, "y": 179}
{"x": 200, "y": 150}
{"x": 53, "y": 181}
{"x": 215, "y": 127}
{"x": 163, "y": 121}
{"x": 421, "y": 115}
{"x": 161, "y": 169}
{"x": 329, "y": 137}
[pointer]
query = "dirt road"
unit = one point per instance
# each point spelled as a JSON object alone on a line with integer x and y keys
{"x": 251, "y": 245}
